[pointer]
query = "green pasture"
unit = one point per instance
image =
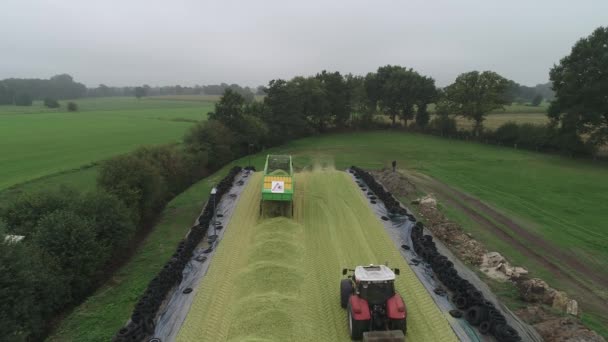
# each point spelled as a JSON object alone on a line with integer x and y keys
{"x": 36, "y": 141}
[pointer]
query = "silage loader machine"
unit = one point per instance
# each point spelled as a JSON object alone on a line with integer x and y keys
{"x": 278, "y": 187}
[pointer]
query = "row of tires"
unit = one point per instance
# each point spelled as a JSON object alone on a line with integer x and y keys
{"x": 390, "y": 202}
{"x": 479, "y": 312}
{"x": 142, "y": 323}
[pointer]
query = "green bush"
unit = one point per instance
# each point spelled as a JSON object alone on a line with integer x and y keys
{"x": 533, "y": 136}
{"x": 71, "y": 241}
{"x": 172, "y": 164}
{"x": 443, "y": 125}
{"x": 51, "y": 103}
{"x": 507, "y": 133}
{"x": 136, "y": 182}
{"x": 111, "y": 220}
{"x": 32, "y": 290}
{"x": 252, "y": 130}
{"x": 72, "y": 107}
{"x": 214, "y": 139}
{"x": 22, "y": 215}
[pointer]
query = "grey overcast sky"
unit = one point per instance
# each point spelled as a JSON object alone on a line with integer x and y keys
{"x": 128, "y": 42}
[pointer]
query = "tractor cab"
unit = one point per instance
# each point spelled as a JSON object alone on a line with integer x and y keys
{"x": 376, "y": 284}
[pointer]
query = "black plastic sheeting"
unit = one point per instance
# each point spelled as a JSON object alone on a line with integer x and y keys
{"x": 448, "y": 281}
{"x": 142, "y": 324}
{"x": 172, "y": 315}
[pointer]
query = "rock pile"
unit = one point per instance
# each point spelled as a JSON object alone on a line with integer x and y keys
{"x": 496, "y": 267}
{"x": 538, "y": 291}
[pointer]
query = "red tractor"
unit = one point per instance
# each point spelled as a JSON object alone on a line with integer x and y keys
{"x": 374, "y": 308}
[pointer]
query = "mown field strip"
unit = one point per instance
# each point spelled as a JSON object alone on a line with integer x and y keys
{"x": 278, "y": 279}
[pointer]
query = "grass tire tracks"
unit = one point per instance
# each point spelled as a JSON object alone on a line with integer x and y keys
{"x": 487, "y": 217}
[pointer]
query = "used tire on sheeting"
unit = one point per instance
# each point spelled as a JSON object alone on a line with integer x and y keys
{"x": 476, "y": 315}
{"x": 484, "y": 327}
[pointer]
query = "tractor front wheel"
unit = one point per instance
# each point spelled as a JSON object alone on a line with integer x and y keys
{"x": 399, "y": 324}
{"x": 346, "y": 289}
{"x": 356, "y": 328}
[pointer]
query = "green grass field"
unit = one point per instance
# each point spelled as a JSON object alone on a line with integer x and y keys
{"x": 518, "y": 113}
{"x": 36, "y": 141}
{"x": 495, "y": 120}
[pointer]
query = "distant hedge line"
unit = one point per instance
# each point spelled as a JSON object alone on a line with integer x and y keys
{"x": 541, "y": 138}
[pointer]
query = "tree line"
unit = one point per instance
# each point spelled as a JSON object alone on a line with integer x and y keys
{"x": 311, "y": 105}
{"x": 145, "y": 90}
{"x": 23, "y": 91}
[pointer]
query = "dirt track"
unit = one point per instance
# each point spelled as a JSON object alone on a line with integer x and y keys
{"x": 583, "y": 282}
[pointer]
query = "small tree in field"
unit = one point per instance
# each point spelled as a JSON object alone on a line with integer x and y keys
{"x": 536, "y": 101}
{"x": 473, "y": 95}
{"x": 140, "y": 92}
{"x": 72, "y": 107}
{"x": 51, "y": 103}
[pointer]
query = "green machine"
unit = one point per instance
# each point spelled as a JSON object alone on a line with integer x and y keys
{"x": 278, "y": 187}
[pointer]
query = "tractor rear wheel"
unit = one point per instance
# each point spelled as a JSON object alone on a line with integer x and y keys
{"x": 346, "y": 289}
{"x": 356, "y": 328}
{"x": 399, "y": 324}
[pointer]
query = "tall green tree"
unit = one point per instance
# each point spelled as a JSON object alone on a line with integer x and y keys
{"x": 338, "y": 96}
{"x": 284, "y": 112}
{"x": 397, "y": 91}
{"x": 389, "y": 82}
{"x": 426, "y": 94}
{"x": 580, "y": 82}
{"x": 359, "y": 103}
{"x": 229, "y": 110}
{"x": 241, "y": 117}
{"x": 313, "y": 103}
{"x": 474, "y": 95}
{"x": 212, "y": 139}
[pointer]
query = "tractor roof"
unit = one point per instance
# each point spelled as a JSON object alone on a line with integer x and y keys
{"x": 374, "y": 273}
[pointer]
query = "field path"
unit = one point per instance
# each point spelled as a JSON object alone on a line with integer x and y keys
{"x": 278, "y": 279}
{"x": 564, "y": 264}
